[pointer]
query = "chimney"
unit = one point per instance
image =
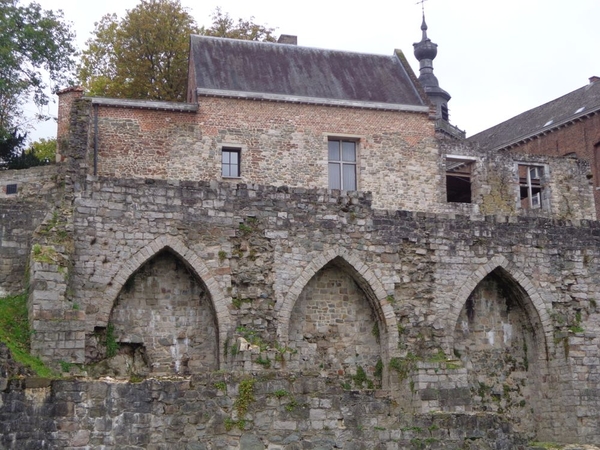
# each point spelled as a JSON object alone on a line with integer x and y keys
{"x": 594, "y": 78}
{"x": 288, "y": 39}
{"x": 66, "y": 97}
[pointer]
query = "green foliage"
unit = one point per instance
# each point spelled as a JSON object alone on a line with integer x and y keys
{"x": 12, "y": 152}
{"x": 360, "y": 377}
{"x": 404, "y": 366}
{"x": 245, "y": 398}
{"x": 281, "y": 393}
{"x": 379, "y": 369}
{"x": 237, "y": 302}
{"x": 45, "y": 254}
{"x": 36, "y": 47}
{"x": 145, "y": 54}
{"x": 223, "y": 25}
{"x": 230, "y": 423}
{"x": 440, "y": 356}
{"x": 221, "y": 386}
{"x": 15, "y": 333}
{"x": 65, "y": 366}
{"x": 292, "y": 404}
{"x": 375, "y": 331}
{"x": 44, "y": 149}
{"x": 112, "y": 346}
{"x": 266, "y": 363}
{"x": 222, "y": 255}
{"x": 253, "y": 337}
{"x": 245, "y": 229}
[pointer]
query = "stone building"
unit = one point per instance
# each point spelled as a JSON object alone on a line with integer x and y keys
{"x": 568, "y": 126}
{"x": 309, "y": 215}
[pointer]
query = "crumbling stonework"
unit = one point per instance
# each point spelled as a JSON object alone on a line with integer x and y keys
{"x": 361, "y": 318}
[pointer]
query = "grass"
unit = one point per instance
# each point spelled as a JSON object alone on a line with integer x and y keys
{"x": 15, "y": 333}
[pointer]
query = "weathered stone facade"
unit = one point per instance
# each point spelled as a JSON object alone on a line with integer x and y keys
{"x": 370, "y": 313}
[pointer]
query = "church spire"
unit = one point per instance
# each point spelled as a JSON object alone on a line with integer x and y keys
{"x": 425, "y": 52}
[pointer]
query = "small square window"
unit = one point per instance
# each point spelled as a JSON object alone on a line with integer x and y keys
{"x": 230, "y": 162}
{"x": 342, "y": 165}
{"x": 11, "y": 189}
{"x": 531, "y": 188}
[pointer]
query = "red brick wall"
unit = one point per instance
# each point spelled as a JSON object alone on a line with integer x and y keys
{"x": 66, "y": 97}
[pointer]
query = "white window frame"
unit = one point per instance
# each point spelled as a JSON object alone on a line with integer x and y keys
{"x": 341, "y": 162}
{"x": 231, "y": 149}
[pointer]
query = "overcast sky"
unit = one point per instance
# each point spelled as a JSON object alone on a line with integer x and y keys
{"x": 495, "y": 58}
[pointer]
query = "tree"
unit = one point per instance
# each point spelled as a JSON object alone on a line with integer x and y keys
{"x": 12, "y": 155}
{"x": 225, "y": 26}
{"x": 44, "y": 149}
{"x": 145, "y": 54}
{"x": 35, "y": 45}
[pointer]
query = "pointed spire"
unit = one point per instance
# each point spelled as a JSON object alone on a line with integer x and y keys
{"x": 425, "y": 52}
{"x": 424, "y": 28}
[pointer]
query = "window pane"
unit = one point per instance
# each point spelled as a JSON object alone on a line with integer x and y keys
{"x": 334, "y": 176}
{"x": 334, "y": 151}
{"x": 349, "y": 151}
{"x": 233, "y": 157}
{"x": 225, "y": 157}
{"x": 349, "y": 177}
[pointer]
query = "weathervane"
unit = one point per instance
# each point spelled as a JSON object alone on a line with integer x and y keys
{"x": 422, "y": 2}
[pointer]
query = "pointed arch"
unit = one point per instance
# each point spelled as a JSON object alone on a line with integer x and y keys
{"x": 362, "y": 275}
{"x": 535, "y": 307}
{"x": 193, "y": 262}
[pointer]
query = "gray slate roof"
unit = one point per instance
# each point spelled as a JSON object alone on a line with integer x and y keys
{"x": 543, "y": 119}
{"x": 283, "y": 70}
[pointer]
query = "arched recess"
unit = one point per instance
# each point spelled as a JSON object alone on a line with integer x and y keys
{"x": 533, "y": 304}
{"x": 499, "y": 334}
{"x": 193, "y": 263}
{"x": 363, "y": 277}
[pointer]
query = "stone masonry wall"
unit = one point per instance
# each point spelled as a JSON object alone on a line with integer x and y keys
{"x": 231, "y": 412}
{"x": 256, "y": 249}
{"x": 20, "y": 215}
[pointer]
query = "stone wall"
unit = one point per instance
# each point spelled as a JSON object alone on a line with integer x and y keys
{"x": 505, "y": 306}
{"x": 20, "y": 214}
{"x": 231, "y": 412}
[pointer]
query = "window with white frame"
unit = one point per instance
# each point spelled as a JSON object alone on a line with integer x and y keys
{"x": 531, "y": 186}
{"x": 230, "y": 162}
{"x": 342, "y": 164}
